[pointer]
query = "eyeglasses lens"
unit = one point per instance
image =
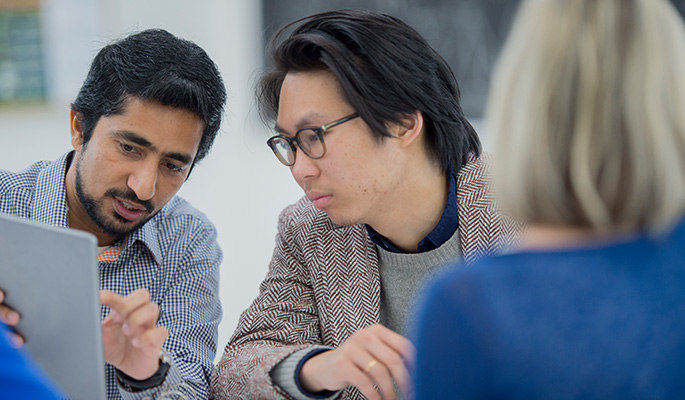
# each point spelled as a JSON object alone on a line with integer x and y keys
{"x": 310, "y": 143}
{"x": 283, "y": 151}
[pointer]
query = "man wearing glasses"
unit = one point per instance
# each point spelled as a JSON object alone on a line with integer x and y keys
{"x": 369, "y": 122}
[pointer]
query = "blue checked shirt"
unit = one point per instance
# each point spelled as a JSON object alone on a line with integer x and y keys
{"x": 174, "y": 255}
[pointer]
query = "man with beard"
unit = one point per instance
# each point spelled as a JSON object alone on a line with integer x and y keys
{"x": 149, "y": 109}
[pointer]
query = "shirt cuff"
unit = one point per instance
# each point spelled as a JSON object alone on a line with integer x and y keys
{"x": 286, "y": 374}
{"x": 173, "y": 384}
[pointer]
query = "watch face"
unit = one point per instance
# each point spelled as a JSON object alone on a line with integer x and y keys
{"x": 164, "y": 356}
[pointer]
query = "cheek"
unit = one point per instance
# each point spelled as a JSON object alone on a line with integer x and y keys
{"x": 377, "y": 177}
{"x": 166, "y": 190}
{"x": 360, "y": 176}
{"x": 88, "y": 172}
{"x": 359, "y": 170}
{"x": 299, "y": 181}
{"x": 349, "y": 167}
{"x": 96, "y": 162}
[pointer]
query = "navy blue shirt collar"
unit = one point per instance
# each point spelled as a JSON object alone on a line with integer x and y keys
{"x": 443, "y": 231}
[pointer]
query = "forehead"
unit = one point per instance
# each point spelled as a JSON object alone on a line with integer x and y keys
{"x": 311, "y": 97}
{"x": 166, "y": 128}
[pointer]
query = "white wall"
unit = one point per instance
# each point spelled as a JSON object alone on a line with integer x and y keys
{"x": 240, "y": 185}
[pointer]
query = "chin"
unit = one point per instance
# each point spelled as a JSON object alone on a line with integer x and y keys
{"x": 342, "y": 220}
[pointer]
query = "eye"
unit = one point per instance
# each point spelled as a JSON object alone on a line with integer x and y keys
{"x": 127, "y": 148}
{"x": 173, "y": 167}
{"x": 309, "y": 137}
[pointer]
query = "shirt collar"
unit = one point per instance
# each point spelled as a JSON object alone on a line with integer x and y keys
{"x": 50, "y": 207}
{"x": 148, "y": 236}
{"x": 49, "y": 204}
{"x": 448, "y": 224}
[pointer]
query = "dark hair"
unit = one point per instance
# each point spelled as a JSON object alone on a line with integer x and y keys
{"x": 386, "y": 71}
{"x": 153, "y": 65}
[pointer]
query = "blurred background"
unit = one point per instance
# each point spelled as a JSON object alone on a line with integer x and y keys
{"x": 46, "y": 48}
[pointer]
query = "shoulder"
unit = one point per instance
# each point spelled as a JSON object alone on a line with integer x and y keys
{"x": 303, "y": 216}
{"x": 304, "y": 212}
{"x": 179, "y": 215}
{"x": 180, "y": 236}
{"x": 21, "y": 180}
{"x": 475, "y": 195}
{"x": 482, "y": 282}
{"x": 485, "y": 228}
{"x": 305, "y": 226}
{"x": 473, "y": 179}
{"x": 17, "y": 189}
{"x": 482, "y": 270}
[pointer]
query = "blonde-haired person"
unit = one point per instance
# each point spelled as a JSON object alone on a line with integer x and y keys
{"x": 588, "y": 107}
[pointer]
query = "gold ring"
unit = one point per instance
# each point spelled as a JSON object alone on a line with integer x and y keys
{"x": 370, "y": 365}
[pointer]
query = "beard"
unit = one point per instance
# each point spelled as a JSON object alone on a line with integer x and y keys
{"x": 108, "y": 224}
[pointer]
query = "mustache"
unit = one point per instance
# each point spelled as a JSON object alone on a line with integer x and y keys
{"x": 131, "y": 196}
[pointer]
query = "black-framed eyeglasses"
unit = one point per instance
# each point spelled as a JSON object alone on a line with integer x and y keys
{"x": 309, "y": 139}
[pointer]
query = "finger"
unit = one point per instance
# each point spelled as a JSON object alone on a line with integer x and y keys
{"x": 112, "y": 318}
{"x": 153, "y": 338}
{"x": 397, "y": 342}
{"x": 109, "y": 298}
{"x": 393, "y": 365}
{"x": 364, "y": 383}
{"x": 392, "y": 361}
{"x": 141, "y": 319}
{"x": 378, "y": 374}
{"x": 390, "y": 365}
{"x": 9, "y": 316}
{"x": 124, "y": 305}
{"x": 15, "y": 340}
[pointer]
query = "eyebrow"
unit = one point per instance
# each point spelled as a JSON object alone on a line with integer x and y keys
{"x": 141, "y": 141}
{"x": 302, "y": 123}
{"x": 278, "y": 129}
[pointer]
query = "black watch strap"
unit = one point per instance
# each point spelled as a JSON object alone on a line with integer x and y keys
{"x": 134, "y": 385}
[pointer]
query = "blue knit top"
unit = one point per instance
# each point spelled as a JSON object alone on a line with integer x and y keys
{"x": 601, "y": 322}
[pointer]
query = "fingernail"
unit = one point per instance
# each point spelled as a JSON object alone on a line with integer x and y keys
{"x": 12, "y": 318}
{"x": 16, "y": 341}
{"x": 115, "y": 316}
{"x": 135, "y": 342}
{"x": 126, "y": 328}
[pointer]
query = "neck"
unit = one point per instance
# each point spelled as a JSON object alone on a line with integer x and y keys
{"x": 548, "y": 237}
{"x": 415, "y": 210}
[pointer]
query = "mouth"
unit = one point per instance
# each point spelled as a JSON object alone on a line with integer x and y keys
{"x": 320, "y": 201}
{"x": 127, "y": 210}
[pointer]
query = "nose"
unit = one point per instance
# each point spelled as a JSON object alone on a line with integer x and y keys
{"x": 143, "y": 181}
{"x": 304, "y": 168}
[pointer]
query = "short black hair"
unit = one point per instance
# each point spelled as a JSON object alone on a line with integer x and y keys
{"x": 153, "y": 65}
{"x": 386, "y": 70}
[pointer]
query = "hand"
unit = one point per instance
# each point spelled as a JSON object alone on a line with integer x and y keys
{"x": 353, "y": 364}
{"x": 11, "y": 318}
{"x": 130, "y": 335}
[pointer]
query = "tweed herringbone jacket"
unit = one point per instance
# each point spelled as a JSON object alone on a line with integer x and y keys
{"x": 323, "y": 285}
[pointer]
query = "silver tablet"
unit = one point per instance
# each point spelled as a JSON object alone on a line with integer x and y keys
{"x": 50, "y": 276}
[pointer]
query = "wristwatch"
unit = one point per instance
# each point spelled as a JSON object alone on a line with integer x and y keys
{"x": 134, "y": 385}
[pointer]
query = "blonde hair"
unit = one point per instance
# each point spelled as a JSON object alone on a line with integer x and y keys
{"x": 588, "y": 106}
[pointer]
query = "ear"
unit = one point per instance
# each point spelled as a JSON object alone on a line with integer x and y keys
{"x": 76, "y": 130}
{"x": 409, "y": 129}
